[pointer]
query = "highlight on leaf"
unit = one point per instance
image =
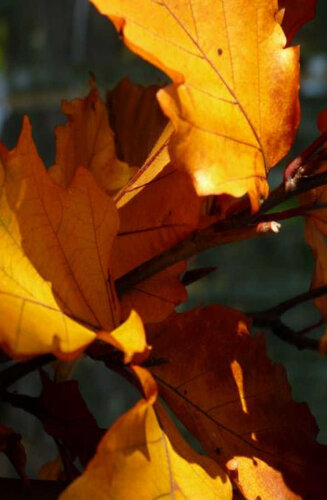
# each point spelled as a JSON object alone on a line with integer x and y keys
{"x": 88, "y": 141}
{"x": 227, "y": 72}
{"x": 144, "y": 445}
{"x": 237, "y": 403}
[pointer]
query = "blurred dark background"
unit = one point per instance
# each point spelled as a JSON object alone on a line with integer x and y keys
{"x": 47, "y": 49}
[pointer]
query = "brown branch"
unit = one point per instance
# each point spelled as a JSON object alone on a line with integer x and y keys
{"x": 271, "y": 319}
{"x": 298, "y": 299}
{"x": 238, "y": 227}
{"x": 285, "y": 333}
{"x": 300, "y": 211}
{"x": 10, "y": 375}
{"x": 197, "y": 242}
{"x": 310, "y": 328}
{"x": 301, "y": 166}
{"x": 12, "y": 489}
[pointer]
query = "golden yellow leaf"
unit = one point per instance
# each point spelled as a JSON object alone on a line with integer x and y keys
{"x": 88, "y": 141}
{"x": 233, "y": 101}
{"x": 130, "y": 339}
{"x": 55, "y": 257}
{"x": 137, "y": 459}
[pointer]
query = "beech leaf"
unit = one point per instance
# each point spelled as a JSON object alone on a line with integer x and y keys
{"x": 139, "y": 459}
{"x": 151, "y": 222}
{"x": 10, "y": 445}
{"x": 237, "y": 403}
{"x": 88, "y": 141}
{"x": 234, "y": 97}
{"x": 50, "y": 236}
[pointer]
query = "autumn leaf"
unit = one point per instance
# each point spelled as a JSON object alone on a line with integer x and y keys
{"x": 66, "y": 417}
{"x": 88, "y": 141}
{"x": 56, "y": 257}
{"x": 136, "y": 120}
{"x": 143, "y": 456}
{"x": 65, "y": 232}
{"x": 151, "y": 222}
{"x": 237, "y": 403}
{"x": 316, "y": 226}
{"x": 318, "y": 244}
{"x": 141, "y": 135}
{"x": 130, "y": 339}
{"x": 11, "y": 446}
{"x": 233, "y": 101}
{"x": 152, "y": 204}
{"x": 295, "y": 13}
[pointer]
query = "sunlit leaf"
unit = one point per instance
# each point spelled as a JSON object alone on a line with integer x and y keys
{"x": 88, "y": 141}
{"x": 233, "y": 101}
{"x": 130, "y": 339}
{"x": 221, "y": 384}
{"x": 138, "y": 459}
{"x": 55, "y": 257}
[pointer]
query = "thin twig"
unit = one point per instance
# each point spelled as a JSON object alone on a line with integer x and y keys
{"x": 286, "y": 334}
{"x": 236, "y": 228}
{"x": 14, "y": 372}
{"x": 195, "y": 243}
{"x": 298, "y": 299}
{"x": 271, "y": 319}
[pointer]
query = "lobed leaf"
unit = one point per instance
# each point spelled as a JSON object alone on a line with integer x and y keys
{"x": 88, "y": 141}
{"x": 237, "y": 403}
{"x": 233, "y": 101}
{"x": 137, "y": 458}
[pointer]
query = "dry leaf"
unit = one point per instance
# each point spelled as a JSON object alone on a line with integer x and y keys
{"x": 295, "y": 13}
{"x": 233, "y": 101}
{"x": 237, "y": 403}
{"x": 88, "y": 141}
{"x": 138, "y": 459}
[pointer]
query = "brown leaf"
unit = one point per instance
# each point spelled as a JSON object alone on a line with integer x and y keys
{"x": 67, "y": 419}
{"x": 162, "y": 214}
{"x": 295, "y": 13}
{"x": 136, "y": 119}
{"x": 237, "y": 403}
{"x": 10, "y": 445}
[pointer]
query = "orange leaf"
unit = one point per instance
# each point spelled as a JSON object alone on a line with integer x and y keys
{"x": 138, "y": 459}
{"x": 295, "y": 13}
{"x": 318, "y": 243}
{"x": 88, "y": 141}
{"x": 66, "y": 233}
{"x": 162, "y": 214}
{"x": 316, "y": 225}
{"x": 136, "y": 119}
{"x": 141, "y": 134}
{"x": 55, "y": 257}
{"x": 233, "y": 101}
{"x": 130, "y": 339}
{"x": 221, "y": 384}
{"x": 148, "y": 384}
